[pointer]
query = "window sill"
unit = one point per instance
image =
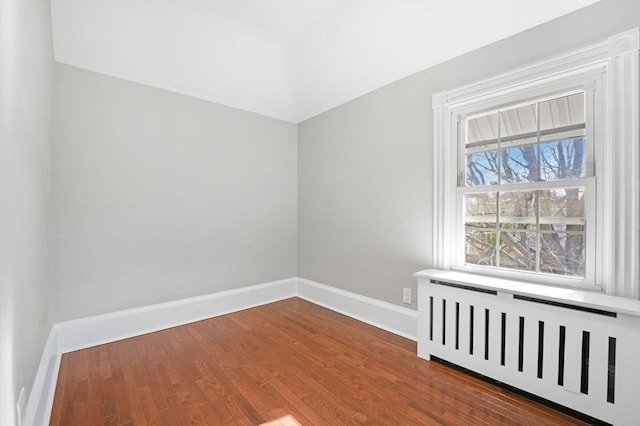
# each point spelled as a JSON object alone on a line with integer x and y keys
{"x": 583, "y": 298}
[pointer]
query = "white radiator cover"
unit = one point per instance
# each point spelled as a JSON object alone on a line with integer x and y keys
{"x": 576, "y": 348}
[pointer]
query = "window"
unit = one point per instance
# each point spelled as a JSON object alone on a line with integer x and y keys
{"x": 536, "y": 172}
{"x": 524, "y": 185}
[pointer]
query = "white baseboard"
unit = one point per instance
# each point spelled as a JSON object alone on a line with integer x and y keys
{"x": 82, "y": 333}
{"x": 389, "y": 317}
{"x": 41, "y": 396}
{"x": 96, "y": 330}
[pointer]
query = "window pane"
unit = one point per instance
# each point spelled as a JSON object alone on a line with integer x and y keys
{"x": 480, "y": 245}
{"x": 520, "y": 164}
{"x": 518, "y": 250}
{"x": 562, "y": 206}
{"x": 482, "y": 168}
{"x": 562, "y": 111}
{"x": 518, "y": 207}
{"x": 563, "y": 159}
{"x": 518, "y": 121}
{"x": 562, "y": 253}
{"x": 481, "y": 208}
{"x": 483, "y": 128}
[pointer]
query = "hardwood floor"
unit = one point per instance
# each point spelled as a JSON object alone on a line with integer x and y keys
{"x": 287, "y": 358}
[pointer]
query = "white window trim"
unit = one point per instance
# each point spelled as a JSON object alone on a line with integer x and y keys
{"x": 617, "y": 60}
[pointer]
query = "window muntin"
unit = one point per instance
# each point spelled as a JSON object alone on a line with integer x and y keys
{"x": 524, "y": 184}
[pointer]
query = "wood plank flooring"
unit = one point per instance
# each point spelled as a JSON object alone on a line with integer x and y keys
{"x": 286, "y": 358}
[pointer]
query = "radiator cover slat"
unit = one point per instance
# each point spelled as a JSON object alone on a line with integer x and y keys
{"x": 565, "y": 305}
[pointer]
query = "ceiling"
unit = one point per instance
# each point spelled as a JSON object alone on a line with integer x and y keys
{"x": 287, "y": 59}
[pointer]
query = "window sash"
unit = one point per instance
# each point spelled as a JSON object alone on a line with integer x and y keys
{"x": 589, "y": 185}
{"x": 588, "y": 85}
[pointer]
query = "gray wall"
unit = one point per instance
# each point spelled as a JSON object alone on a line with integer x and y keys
{"x": 159, "y": 196}
{"x": 26, "y": 67}
{"x": 364, "y": 212}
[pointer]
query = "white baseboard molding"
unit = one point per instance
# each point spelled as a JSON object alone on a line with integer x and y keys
{"x": 40, "y": 399}
{"x": 387, "y": 316}
{"x": 83, "y": 333}
{"x": 96, "y": 330}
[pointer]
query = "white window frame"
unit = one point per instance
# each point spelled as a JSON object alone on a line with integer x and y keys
{"x": 613, "y": 246}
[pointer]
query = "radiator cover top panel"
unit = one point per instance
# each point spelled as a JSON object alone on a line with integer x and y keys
{"x": 584, "y": 358}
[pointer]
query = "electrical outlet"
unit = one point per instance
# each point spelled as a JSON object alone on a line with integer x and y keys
{"x": 21, "y": 405}
{"x": 406, "y": 296}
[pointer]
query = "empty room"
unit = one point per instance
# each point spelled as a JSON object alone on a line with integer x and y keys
{"x": 319, "y": 212}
